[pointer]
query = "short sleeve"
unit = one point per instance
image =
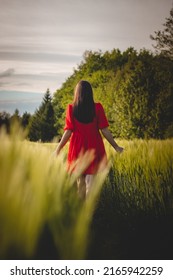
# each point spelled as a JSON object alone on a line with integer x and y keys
{"x": 69, "y": 118}
{"x": 101, "y": 117}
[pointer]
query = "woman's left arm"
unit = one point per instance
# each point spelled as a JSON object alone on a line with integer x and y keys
{"x": 63, "y": 141}
{"x": 108, "y": 135}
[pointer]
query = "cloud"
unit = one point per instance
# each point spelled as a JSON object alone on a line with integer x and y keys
{"x": 40, "y": 37}
{"x": 38, "y": 57}
{"x": 7, "y": 73}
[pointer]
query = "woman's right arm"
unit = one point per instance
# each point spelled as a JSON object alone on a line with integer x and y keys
{"x": 108, "y": 135}
{"x": 63, "y": 141}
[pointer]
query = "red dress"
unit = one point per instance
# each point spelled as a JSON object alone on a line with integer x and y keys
{"x": 86, "y": 137}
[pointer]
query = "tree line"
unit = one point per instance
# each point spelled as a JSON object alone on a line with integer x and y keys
{"x": 135, "y": 88}
{"x": 40, "y": 126}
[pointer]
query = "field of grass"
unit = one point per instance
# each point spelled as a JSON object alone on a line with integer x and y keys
{"x": 134, "y": 216}
{"x": 129, "y": 214}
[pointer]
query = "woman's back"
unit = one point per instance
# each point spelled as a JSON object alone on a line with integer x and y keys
{"x": 84, "y": 119}
{"x": 86, "y": 137}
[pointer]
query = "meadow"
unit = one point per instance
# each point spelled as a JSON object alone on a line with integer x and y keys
{"x": 129, "y": 214}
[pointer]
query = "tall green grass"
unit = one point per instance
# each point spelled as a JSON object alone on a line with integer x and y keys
{"x": 36, "y": 191}
{"x": 144, "y": 173}
{"x": 134, "y": 217}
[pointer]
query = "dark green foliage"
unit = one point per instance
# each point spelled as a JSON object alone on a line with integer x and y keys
{"x": 15, "y": 117}
{"x": 5, "y": 120}
{"x": 42, "y": 123}
{"x": 135, "y": 88}
{"x": 25, "y": 119}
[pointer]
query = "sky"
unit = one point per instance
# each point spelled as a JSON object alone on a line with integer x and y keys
{"x": 43, "y": 41}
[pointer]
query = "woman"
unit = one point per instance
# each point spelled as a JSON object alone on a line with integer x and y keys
{"x": 84, "y": 119}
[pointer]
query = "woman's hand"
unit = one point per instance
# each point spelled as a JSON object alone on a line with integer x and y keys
{"x": 108, "y": 135}
{"x": 66, "y": 136}
{"x": 119, "y": 149}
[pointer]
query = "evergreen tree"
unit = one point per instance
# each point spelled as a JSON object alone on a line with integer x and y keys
{"x": 5, "y": 120}
{"x": 25, "y": 119}
{"x": 15, "y": 117}
{"x": 42, "y": 125}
